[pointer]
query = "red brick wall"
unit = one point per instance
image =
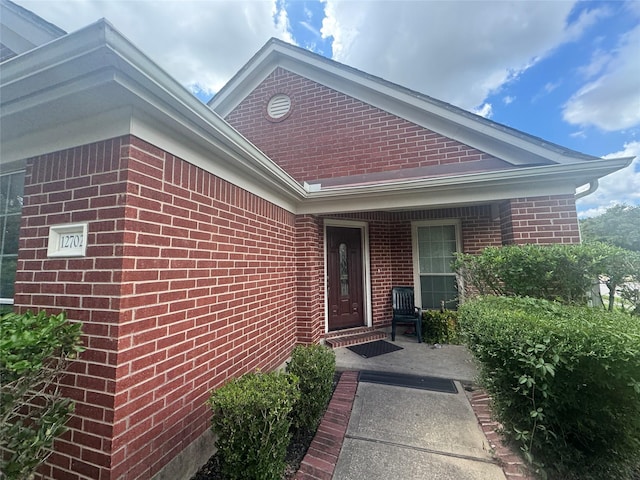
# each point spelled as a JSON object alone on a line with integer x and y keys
{"x": 329, "y": 134}
{"x": 542, "y": 220}
{"x": 310, "y": 284}
{"x": 78, "y": 185}
{"x": 188, "y": 280}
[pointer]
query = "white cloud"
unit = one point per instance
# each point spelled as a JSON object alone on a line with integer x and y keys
{"x": 509, "y": 99}
{"x": 485, "y": 110}
{"x": 612, "y": 100}
{"x": 459, "y": 52}
{"x": 622, "y": 186}
{"x": 200, "y": 43}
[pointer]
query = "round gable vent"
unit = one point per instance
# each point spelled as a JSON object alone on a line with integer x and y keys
{"x": 279, "y": 106}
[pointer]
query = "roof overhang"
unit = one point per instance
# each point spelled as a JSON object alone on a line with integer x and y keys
{"x": 485, "y": 187}
{"x": 93, "y": 85}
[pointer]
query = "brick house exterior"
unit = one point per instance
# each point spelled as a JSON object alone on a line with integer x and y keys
{"x": 208, "y": 244}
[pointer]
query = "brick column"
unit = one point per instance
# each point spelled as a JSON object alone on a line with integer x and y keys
{"x": 309, "y": 279}
{"x": 541, "y": 220}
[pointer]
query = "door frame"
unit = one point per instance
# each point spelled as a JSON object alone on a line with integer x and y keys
{"x": 366, "y": 270}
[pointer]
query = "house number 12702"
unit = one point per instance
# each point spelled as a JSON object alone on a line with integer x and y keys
{"x": 71, "y": 240}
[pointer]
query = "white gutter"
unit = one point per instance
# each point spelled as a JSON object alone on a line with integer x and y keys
{"x": 593, "y": 186}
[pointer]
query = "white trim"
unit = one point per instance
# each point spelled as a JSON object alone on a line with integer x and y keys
{"x": 366, "y": 267}
{"x": 498, "y": 140}
{"x": 51, "y": 96}
{"x": 456, "y": 222}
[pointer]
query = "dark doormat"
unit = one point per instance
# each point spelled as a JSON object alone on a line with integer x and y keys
{"x": 373, "y": 349}
{"x": 436, "y": 384}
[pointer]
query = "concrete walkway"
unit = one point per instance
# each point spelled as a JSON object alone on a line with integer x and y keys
{"x": 374, "y": 431}
{"x": 406, "y": 433}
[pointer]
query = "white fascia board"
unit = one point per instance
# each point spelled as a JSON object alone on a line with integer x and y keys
{"x": 96, "y": 69}
{"x": 461, "y": 190}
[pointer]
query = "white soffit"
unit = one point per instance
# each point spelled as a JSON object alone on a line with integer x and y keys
{"x": 460, "y": 190}
{"x": 57, "y": 96}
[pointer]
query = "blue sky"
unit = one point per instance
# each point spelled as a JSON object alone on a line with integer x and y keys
{"x": 565, "y": 71}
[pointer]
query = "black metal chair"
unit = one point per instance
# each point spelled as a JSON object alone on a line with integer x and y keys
{"x": 405, "y": 311}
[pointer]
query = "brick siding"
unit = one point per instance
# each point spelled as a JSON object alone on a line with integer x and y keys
{"x": 542, "y": 220}
{"x": 329, "y": 134}
{"x": 188, "y": 280}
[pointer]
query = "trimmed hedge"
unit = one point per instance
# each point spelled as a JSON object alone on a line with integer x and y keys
{"x": 562, "y": 273}
{"x": 315, "y": 366}
{"x": 440, "y": 326}
{"x": 565, "y": 382}
{"x": 252, "y": 420}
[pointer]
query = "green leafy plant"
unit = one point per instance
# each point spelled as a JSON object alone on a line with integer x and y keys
{"x": 618, "y": 225}
{"x": 565, "y": 273}
{"x": 315, "y": 366}
{"x": 34, "y": 351}
{"x": 440, "y": 326}
{"x": 252, "y": 420}
{"x": 564, "y": 382}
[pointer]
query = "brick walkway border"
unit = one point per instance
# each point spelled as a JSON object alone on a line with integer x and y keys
{"x": 322, "y": 456}
{"x": 320, "y": 460}
{"x": 512, "y": 464}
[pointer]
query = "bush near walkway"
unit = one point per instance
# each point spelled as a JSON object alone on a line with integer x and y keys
{"x": 315, "y": 366}
{"x": 565, "y": 382}
{"x": 252, "y": 420}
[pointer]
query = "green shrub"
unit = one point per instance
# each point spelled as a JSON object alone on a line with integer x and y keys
{"x": 315, "y": 366}
{"x": 34, "y": 352}
{"x": 565, "y": 382}
{"x": 440, "y": 326}
{"x": 562, "y": 273}
{"x": 252, "y": 419}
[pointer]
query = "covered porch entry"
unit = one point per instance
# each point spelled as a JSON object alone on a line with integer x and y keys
{"x": 365, "y": 254}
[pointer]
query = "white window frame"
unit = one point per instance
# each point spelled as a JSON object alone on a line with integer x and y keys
{"x": 456, "y": 222}
{"x": 4, "y": 302}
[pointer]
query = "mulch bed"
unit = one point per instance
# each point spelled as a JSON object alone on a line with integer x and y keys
{"x": 295, "y": 453}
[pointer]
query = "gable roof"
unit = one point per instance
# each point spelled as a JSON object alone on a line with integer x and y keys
{"x": 497, "y": 140}
{"x": 22, "y": 30}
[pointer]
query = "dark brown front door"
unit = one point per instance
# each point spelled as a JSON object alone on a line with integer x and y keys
{"x": 344, "y": 270}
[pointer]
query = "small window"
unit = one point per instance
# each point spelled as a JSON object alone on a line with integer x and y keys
{"x": 435, "y": 245}
{"x": 11, "y": 202}
{"x": 279, "y": 106}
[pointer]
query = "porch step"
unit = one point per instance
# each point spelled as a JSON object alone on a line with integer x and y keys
{"x": 353, "y": 336}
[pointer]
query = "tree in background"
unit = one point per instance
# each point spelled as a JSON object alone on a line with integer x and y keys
{"x": 618, "y": 225}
